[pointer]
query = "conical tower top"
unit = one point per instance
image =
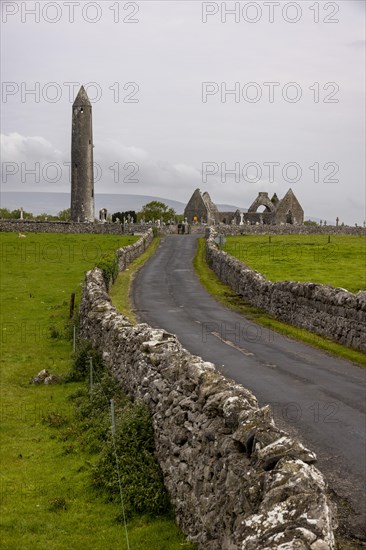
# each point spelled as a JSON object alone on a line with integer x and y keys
{"x": 82, "y": 98}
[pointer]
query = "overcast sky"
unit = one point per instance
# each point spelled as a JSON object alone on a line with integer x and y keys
{"x": 163, "y": 120}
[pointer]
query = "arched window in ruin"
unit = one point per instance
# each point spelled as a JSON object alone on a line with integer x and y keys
{"x": 289, "y": 217}
{"x": 262, "y": 200}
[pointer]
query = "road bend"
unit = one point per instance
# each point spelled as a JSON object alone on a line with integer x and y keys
{"x": 314, "y": 396}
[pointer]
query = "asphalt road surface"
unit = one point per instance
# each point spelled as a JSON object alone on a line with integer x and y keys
{"x": 319, "y": 398}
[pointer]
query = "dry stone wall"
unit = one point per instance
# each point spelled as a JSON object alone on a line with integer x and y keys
{"x": 331, "y": 312}
{"x": 34, "y": 226}
{"x": 128, "y": 254}
{"x": 236, "y": 480}
{"x": 286, "y": 229}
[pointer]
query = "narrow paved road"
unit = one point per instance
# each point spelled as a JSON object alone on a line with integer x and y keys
{"x": 315, "y": 396}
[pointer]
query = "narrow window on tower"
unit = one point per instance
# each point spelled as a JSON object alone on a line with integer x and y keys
{"x": 81, "y": 110}
{"x": 92, "y": 194}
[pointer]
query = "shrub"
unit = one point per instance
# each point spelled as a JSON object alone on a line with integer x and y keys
{"x": 81, "y": 363}
{"x": 55, "y": 420}
{"x": 109, "y": 266}
{"x": 56, "y": 504}
{"x": 140, "y": 475}
{"x": 54, "y": 332}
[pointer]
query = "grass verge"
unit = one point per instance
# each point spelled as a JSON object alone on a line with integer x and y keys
{"x": 229, "y": 298}
{"x": 336, "y": 260}
{"x": 120, "y": 291}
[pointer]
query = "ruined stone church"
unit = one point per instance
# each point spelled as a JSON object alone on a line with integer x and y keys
{"x": 201, "y": 209}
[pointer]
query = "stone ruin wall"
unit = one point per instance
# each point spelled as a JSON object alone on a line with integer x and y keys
{"x": 236, "y": 481}
{"x": 267, "y": 218}
{"x": 286, "y": 204}
{"x": 331, "y": 312}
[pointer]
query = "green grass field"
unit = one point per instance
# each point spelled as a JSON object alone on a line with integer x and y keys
{"x": 339, "y": 263}
{"x": 229, "y": 298}
{"x": 38, "y": 470}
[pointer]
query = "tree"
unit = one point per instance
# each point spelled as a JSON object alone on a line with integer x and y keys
{"x": 122, "y": 215}
{"x": 6, "y": 214}
{"x": 44, "y": 217}
{"x": 156, "y": 210}
{"x": 65, "y": 215}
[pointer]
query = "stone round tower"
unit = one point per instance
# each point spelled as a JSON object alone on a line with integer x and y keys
{"x": 82, "y": 173}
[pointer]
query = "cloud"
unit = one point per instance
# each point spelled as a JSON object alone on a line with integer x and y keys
{"x": 157, "y": 145}
{"x": 31, "y": 163}
{"x": 357, "y": 45}
{"x": 18, "y": 148}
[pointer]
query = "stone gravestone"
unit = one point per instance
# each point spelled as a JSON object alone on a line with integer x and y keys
{"x": 103, "y": 215}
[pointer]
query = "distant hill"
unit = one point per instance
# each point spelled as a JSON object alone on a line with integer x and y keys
{"x": 230, "y": 208}
{"x": 52, "y": 203}
{"x": 317, "y": 220}
{"x": 120, "y": 203}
